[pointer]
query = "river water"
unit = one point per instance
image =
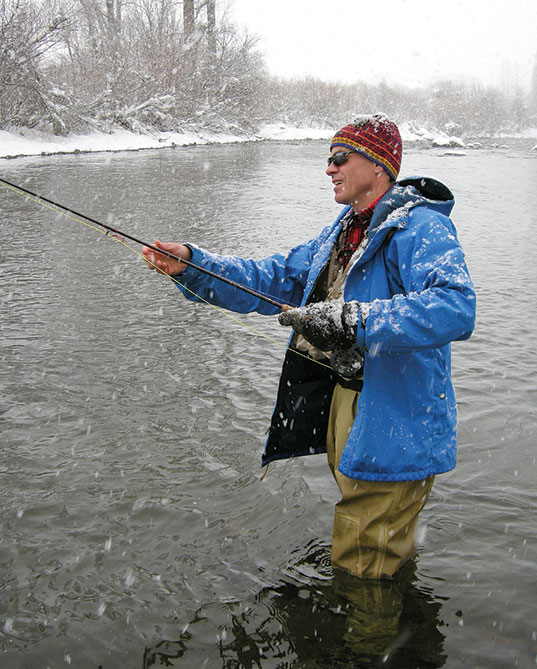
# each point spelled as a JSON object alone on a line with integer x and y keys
{"x": 135, "y": 529}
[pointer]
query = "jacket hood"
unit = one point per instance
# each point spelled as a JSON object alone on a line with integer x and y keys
{"x": 413, "y": 192}
{"x": 393, "y": 209}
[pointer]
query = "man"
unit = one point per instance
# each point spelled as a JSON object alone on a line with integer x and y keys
{"x": 384, "y": 290}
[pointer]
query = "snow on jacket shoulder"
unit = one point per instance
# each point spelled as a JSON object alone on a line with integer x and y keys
{"x": 415, "y": 291}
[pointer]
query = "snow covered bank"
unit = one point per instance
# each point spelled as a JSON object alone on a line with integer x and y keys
{"x": 27, "y": 142}
{"x": 31, "y": 143}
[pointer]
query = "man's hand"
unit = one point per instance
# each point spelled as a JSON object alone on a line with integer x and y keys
{"x": 164, "y": 264}
{"x": 326, "y": 325}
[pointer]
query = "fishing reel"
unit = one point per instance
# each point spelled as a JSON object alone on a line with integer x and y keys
{"x": 347, "y": 362}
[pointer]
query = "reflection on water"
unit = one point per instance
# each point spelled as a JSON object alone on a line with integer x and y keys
{"x": 357, "y": 623}
{"x": 134, "y": 525}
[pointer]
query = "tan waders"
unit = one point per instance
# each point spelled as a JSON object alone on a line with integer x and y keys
{"x": 375, "y": 522}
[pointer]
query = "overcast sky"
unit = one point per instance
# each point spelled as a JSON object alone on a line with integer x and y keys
{"x": 401, "y": 41}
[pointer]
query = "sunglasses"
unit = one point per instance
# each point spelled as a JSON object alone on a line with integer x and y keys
{"x": 339, "y": 157}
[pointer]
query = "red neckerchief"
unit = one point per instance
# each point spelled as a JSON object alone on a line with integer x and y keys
{"x": 354, "y": 227}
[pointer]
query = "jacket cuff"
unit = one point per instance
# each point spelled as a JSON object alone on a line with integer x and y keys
{"x": 363, "y": 313}
{"x": 196, "y": 257}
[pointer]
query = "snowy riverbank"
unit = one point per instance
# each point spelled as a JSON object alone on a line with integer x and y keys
{"x": 14, "y": 144}
{"x": 30, "y": 142}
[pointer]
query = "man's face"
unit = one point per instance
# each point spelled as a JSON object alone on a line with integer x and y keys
{"x": 356, "y": 181}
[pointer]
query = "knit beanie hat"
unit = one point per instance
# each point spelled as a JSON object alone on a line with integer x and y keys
{"x": 376, "y": 138}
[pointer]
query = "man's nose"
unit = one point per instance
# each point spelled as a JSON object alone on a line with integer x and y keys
{"x": 331, "y": 169}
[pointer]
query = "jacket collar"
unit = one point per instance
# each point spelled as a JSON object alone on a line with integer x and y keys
{"x": 394, "y": 207}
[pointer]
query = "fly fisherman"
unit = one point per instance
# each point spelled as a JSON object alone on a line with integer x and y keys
{"x": 384, "y": 290}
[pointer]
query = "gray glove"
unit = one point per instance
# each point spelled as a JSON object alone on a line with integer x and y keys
{"x": 326, "y": 325}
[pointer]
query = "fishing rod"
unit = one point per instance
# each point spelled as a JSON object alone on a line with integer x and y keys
{"x": 109, "y": 228}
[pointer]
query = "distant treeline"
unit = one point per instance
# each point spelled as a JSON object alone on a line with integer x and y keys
{"x": 157, "y": 65}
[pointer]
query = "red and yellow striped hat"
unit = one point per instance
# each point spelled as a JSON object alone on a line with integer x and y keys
{"x": 376, "y": 138}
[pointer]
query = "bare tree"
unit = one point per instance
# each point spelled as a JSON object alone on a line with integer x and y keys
{"x": 188, "y": 18}
{"x": 211, "y": 26}
{"x": 533, "y": 92}
{"x": 28, "y": 33}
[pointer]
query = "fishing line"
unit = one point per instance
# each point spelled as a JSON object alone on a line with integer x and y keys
{"x": 118, "y": 236}
{"x": 225, "y": 312}
{"x": 41, "y": 199}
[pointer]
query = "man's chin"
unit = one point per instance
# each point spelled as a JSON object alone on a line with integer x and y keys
{"x": 341, "y": 200}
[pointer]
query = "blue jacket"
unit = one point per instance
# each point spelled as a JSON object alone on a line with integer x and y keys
{"x": 418, "y": 297}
